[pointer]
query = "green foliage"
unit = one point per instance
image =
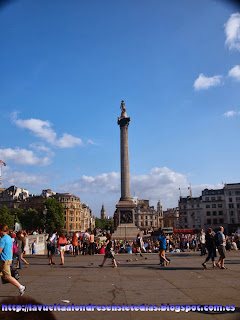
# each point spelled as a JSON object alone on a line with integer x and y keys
{"x": 104, "y": 224}
{"x": 54, "y": 216}
{"x": 30, "y": 220}
{"x": 6, "y": 217}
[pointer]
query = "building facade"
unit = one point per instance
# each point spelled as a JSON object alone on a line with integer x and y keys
{"x": 171, "y": 218}
{"x": 214, "y": 208}
{"x": 146, "y": 217}
{"x": 12, "y": 197}
{"x": 190, "y": 213}
{"x": 232, "y": 199}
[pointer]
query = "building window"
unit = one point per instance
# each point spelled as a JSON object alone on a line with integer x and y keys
{"x": 232, "y": 213}
{"x": 231, "y": 205}
{"x": 146, "y": 224}
{"x": 207, "y": 199}
{"x": 185, "y": 220}
{"x": 214, "y": 213}
{"x": 229, "y": 193}
{"x": 215, "y": 221}
{"x": 207, "y": 205}
{"x": 146, "y": 217}
{"x": 221, "y": 220}
{"x": 237, "y": 193}
{"x": 220, "y": 213}
{"x": 219, "y": 205}
{"x": 214, "y": 205}
{"x": 230, "y": 199}
{"x": 238, "y": 199}
{"x": 213, "y": 198}
{"x": 209, "y": 221}
{"x": 219, "y": 198}
{"x": 208, "y": 213}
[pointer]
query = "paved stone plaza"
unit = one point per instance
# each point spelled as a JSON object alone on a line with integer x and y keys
{"x": 82, "y": 281}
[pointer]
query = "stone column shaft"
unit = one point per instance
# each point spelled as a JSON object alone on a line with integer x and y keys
{"x": 125, "y": 177}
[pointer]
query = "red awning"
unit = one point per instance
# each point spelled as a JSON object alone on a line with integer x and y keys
{"x": 183, "y": 231}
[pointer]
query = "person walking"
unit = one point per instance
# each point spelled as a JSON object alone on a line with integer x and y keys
{"x": 62, "y": 242}
{"x": 221, "y": 245}
{"x": 23, "y": 251}
{"x": 6, "y": 245}
{"x": 91, "y": 244}
{"x": 163, "y": 247}
{"x": 85, "y": 239}
{"x": 139, "y": 244}
{"x": 53, "y": 242}
{"x": 75, "y": 244}
{"x": 202, "y": 242}
{"x": 109, "y": 253}
{"x": 211, "y": 248}
{"x": 17, "y": 255}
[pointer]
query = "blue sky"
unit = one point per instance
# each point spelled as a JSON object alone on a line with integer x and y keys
{"x": 66, "y": 66}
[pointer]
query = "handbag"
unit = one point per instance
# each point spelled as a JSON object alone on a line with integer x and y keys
{"x": 14, "y": 274}
{"x": 15, "y": 248}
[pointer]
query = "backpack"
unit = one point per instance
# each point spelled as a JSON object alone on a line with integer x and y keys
{"x": 139, "y": 241}
{"x": 15, "y": 248}
{"x": 216, "y": 240}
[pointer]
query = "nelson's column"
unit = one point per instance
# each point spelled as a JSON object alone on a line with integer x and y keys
{"x": 125, "y": 208}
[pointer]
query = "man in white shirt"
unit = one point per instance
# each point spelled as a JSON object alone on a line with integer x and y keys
{"x": 202, "y": 241}
{"x": 221, "y": 247}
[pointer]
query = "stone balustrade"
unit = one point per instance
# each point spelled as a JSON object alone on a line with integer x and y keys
{"x": 41, "y": 243}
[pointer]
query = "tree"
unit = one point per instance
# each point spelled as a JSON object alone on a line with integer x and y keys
{"x": 30, "y": 220}
{"x": 54, "y": 216}
{"x": 6, "y": 217}
{"x": 104, "y": 224}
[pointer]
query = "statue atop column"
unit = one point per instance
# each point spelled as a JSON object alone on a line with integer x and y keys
{"x": 124, "y": 111}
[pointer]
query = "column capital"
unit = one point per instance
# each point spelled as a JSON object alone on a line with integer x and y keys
{"x": 123, "y": 121}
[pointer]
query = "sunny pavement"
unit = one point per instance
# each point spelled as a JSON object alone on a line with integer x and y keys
{"x": 82, "y": 281}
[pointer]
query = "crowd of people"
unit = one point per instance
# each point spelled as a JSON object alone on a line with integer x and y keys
{"x": 12, "y": 247}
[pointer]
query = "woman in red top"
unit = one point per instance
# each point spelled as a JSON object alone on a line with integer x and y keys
{"x": 62, "y": 241}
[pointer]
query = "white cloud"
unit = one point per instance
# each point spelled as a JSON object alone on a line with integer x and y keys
{"x": 41, "y": 148}
{"x": 202, "y": 82}
{"x": 235, "y": 73}
{"x": 22, "y": 179}
{"x": 23, "y": 156}
{"x": 159, "y": 184}
{"x": 104, "y": 183}
{"x": 68, "y": 141}
{"x": 91, "y": 142}
{"x": 42, "y": 129}
{"x": 232, "y": 31}
{"x": 231, "y": 113}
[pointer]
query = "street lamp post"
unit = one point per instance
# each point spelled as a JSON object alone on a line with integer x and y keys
{"x": 15, "y": 219}
{"x": 45, "y": 210}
